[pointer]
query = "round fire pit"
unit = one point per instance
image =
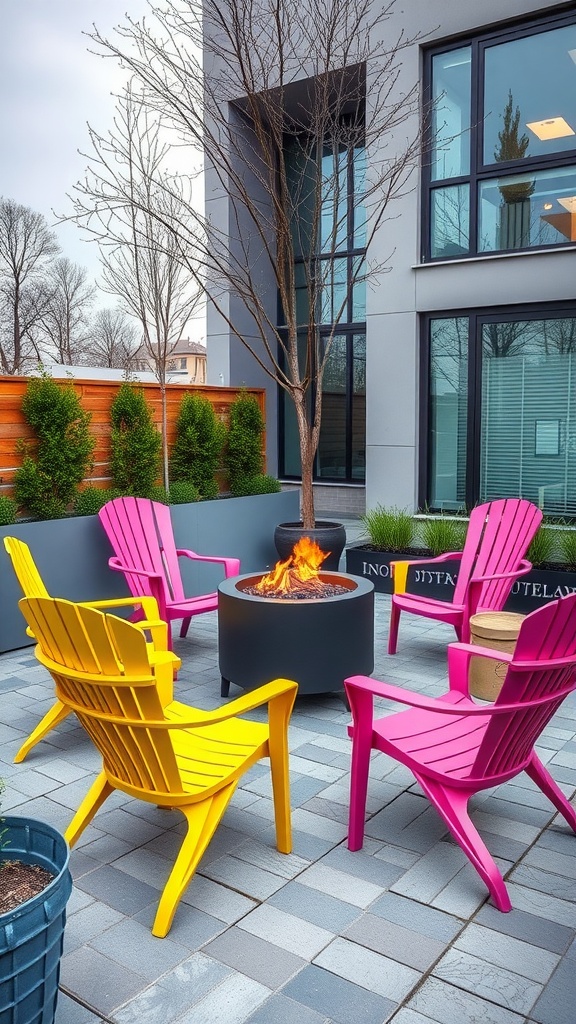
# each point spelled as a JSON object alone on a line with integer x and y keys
{"x": 318, "y": 642}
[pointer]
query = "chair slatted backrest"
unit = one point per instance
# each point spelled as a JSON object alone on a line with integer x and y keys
{"x": 101, "y": 669}
{"x": 25, "y": 568}
{"x": 140, "y": 532}
{"x": 497, "y": 539}
{"x": 547, "y": 634}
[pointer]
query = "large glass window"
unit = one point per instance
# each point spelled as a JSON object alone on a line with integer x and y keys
{"x": 501, "y": 171}
{"x": 508, "y": 428}
{"x": 337, "y": 270}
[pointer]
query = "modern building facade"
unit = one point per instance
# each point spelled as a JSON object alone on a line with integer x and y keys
{"x": 454, "y": 373}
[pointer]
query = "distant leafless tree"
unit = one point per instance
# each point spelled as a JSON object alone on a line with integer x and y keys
{"x": 113, "y": 340}
{"x": 27, "y": 245}
{"x": 125, "y": 201}
{"x": 66, "y": 315}
{"x": 329, "y": 76}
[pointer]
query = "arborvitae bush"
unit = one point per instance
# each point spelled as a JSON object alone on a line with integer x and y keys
{"x": 181, "y": 493}
{"x": 56, "y": 463}
{"x": 136, "y": 443}
{"x": 244, "y": 455}
{"x": 89, "y": 501}
{"x": 8, "y": 510}
{"x": 198, "y": 446}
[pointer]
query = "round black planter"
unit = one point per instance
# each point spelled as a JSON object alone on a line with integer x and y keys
{"x": 329, "y": 537}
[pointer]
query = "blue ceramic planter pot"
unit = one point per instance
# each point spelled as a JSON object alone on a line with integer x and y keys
{"x": 31, "y": 936}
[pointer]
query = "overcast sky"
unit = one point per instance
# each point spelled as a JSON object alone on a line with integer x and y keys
{"x": 50, "y": 86}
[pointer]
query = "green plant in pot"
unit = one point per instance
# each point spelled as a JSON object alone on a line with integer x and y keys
{"x": 389, "y": 529}
{"x": 35, "y": 885}
{"x": 196, "y": 452}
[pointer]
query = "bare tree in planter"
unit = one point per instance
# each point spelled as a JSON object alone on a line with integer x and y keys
{"x": 127, "y": 201}
{"x": 328, "y": 76}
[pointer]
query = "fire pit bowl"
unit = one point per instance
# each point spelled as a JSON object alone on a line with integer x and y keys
{"x": 316, "y": 641}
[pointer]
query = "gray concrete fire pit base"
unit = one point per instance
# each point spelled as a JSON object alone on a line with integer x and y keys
{"x": 316, "y": 642}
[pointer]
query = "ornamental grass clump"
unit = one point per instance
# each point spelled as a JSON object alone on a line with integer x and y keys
{"x": 566, "y": 543}
{"x": 441, "y": 534}
{"x": 58, "y": 460}
{"x": 200, "y": 438}
{"x": 542, "y": 547}
{"x": 136, "y": 443}
{"x": 389, "y": 529}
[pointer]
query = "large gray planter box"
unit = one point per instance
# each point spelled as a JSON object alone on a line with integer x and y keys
{"x": 529, "y": 592}
{"x": 72, "y": 554}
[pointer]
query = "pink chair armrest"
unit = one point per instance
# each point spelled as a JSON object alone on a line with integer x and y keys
{"x": 231, "y": 565}
{"x": 525, "y": 566}
{"x": 459, "y": 656}
{"x": 116, "y": 564}
{"x": 440, "y": 705}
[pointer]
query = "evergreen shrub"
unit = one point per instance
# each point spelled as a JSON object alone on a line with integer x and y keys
{"x": 196, "y": 452}
{"x": 244, "y": 455}
{"x": 136, "y": 443}
{"x": 8, "y": 510}
{"x": 56, "y": 463}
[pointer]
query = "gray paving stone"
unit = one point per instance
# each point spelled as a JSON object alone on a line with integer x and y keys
{"x": 170, "y": 997}
{"x": 371, "y": 970}
{"x": 446, "y": 1004}
{"x": 87, "y": 923}
{"x": 229, "y": 1003}
{"x": 255, "y": 957}
{"x": 339, "y": 1000}
{"x": 505, "y": 951}
{"x": 317, "y": 907}
{"x": 218, "y": 900}
{"x": 246, "y": 878}
{"x": 104, "y": 984}
{"x": 483, "y": 979}
{"x": 417, "y": 917}
{"x": 531, "y": 929}
{"x": 558, "y": 1000}
{"x": 302, "y": 938}
{"x": 133, "y": 946}
{"x": 350, "y": 888}
{"x": 117, "y": 889}
{"x": 280, "y": 1010}
{"x": 363, "y": 865}
{"x": 393, "y": 940}
{"x": 545, "y": 881}
{"x": 68, "y": 1011}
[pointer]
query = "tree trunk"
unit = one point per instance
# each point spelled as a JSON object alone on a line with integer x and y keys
{"x": 165, "y": 474}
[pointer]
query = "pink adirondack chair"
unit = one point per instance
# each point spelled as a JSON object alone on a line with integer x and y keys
{"x": 455, "y": 747}
{"x": 140, "y": 532}
{"x": 498, "y": 537}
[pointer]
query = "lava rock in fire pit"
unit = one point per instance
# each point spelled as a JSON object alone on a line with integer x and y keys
{"x": 328, "y": 590}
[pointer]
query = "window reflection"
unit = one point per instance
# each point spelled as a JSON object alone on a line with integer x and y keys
{"x": 528, "y": 209}
{"x": 451, "y": 83}
{"x": 450, "y": 221}
{"x": 448, "y": 411}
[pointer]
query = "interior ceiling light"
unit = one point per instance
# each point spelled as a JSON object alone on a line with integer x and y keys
{"x": 552, "y": 128}
{"x": 569, "y": 203}
{"x": 572, "y": 54}
{"x": 547, "y": 206}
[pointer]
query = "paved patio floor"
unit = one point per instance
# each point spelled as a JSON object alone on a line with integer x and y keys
{"x": 401, "y": 931}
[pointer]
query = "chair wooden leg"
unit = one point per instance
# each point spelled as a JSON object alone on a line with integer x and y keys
{"x": 185, "y": 625}
{"x": 393, "y": 632}
{"x": 541, "y": 776}
{"x": 99, "y": 792}
{"x": 58, "y": 712}
{"x": 452, "y": 806}
{"x": 203, "y": 818}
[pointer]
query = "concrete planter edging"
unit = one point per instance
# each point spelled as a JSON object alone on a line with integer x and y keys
{"x": 528, "y": 593}
{"x": 72, "y": 554}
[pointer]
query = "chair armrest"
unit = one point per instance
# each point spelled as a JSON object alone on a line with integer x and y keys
{"x": 373, "y": 687}
{"x": 525, "y": 566}
{"x": 231, "y": 565}
{"x": 399, "y": 569}
{"x": 117, "y": 565}
{"x": 152, "y": 622}
{"x": 459, "y": 656}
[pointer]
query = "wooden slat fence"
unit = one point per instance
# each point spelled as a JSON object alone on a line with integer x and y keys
{"x": 96, "y": 397}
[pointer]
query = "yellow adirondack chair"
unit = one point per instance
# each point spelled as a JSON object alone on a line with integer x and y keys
{"x": 172, "y": 756}
{"x": 165, "y": 664}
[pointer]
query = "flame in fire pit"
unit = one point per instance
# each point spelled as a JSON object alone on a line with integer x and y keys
{"x": 298, "y": 574}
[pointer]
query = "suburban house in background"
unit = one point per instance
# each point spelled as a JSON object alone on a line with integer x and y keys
{"x": 452, "y": 379}
{"x": 186, "y": 363}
